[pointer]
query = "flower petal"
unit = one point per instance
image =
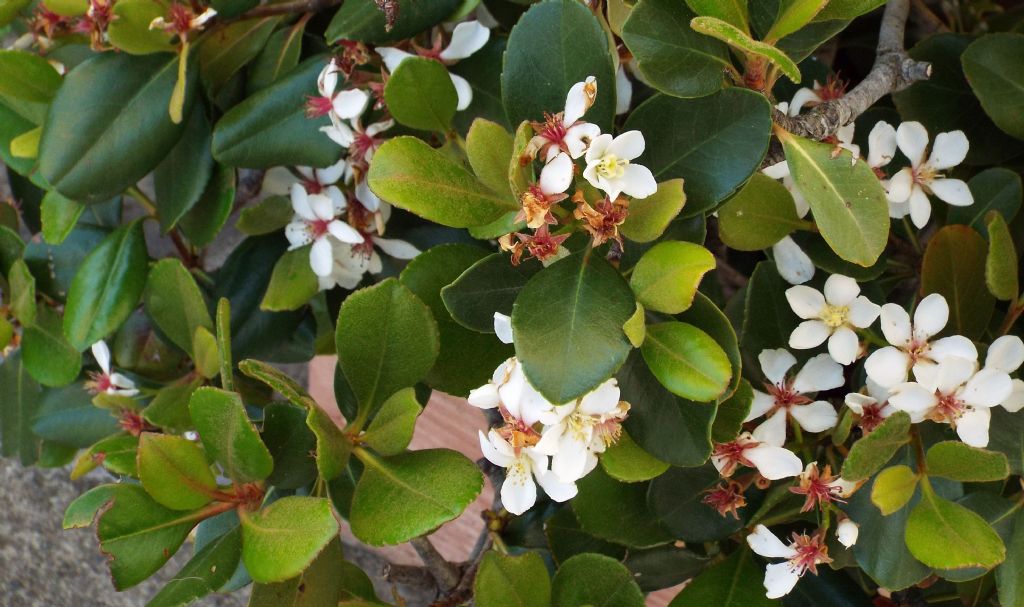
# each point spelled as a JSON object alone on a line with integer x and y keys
{"x": 912, "y": 139}
{"x": 344, "y": 232}
{"x": 1005, "y": 354}
{"x": 863, "y": 313}
{"x": 815, "y": 417}
{"x": 392, "y": 57}
{"x": 847, "y": 532}
{"x": 954, "y": 345}
{"x": 972, "y": 427}
{"x": 806, "y": 302}
{"x": 881, "y": 144}
{"x": 557, "y": 490}
{"x": 300, "y": 202}
{"x": 900, "y": 185}
{"x": 777, "y": 170}
{"x": 322, "y": 207}
{"x": 484, "y": 397}
{"x": 841, "y": 290}
{"x": 803, "y": 96}
{"x": 987, "y": 388}
{"x": 931, "y": 316}
{"x": 773, "y": 462}
{"x": 399, "y": 249}
{"x": 579, "y": 136}
{"x": 792, "y": 263}
{"x": 809, "y": 334}
{"x": 598, "y": 146}
{"x": 843, "y": 346}
{"x": 101, "y": 353}
{"x": 760, "y": 405}
{"x": 518, "y": 492}
{"x": 772, "y": 431}
{"x": 467, "y": 38}
{"x": 321, "y": 258}
{"x": 912, "y": 398}
{"x": 895, "y": 323}
{"x": 339, "y": 133}
{"x": 463, "y": 90}
{"x": 492, "y": 453}
{"x": 887, "y": 366}
{"x": 953, "y": 372}
{"x": 767, "y": 544}
{"x": 780, "y": 579}
{"x": 638, "y": 182}
{"x": 952, "y": 191}
{"x": 819, "y": 373}
{"x": 949, "y": 150}
{"x": 602, "y": 399}
{"x": 556, "y": 176}
{"x": 1015, "y": 402}
{"x": 857, "y": 402}
{"x": 623, "y": 91}
{"x": 776, "y": 363}
{"x": 577, "y": 101}
{"x": 349, "y": 104}
{"x": 628, "y": 145}
{"x": 920, "y": 207}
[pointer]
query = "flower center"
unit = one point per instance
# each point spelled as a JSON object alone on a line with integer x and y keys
{"x": 611, "y": 166}
{"x": 785, "y": 396}
{"x": 318, "y": 227}
{"x": 726, "y": 498}
{"x": 871, "y": 417}
{"x": 918, "y": 349}
{"x": 100, "y": 382}
{"x": 949, "y": 408}
{"x": 925, "y": 174}
{"x": 810, "y": 552}
{"x": 318, "y": 106}
{"x": 835, "y": 316}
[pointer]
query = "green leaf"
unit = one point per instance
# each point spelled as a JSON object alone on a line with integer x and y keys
{"x": 47, "y": 355}
{"x": 512, "y": 581}
{"x": 174, "y": 302}
{"x": 59, "y": 216}
{"x": 793, "y": 15}
{"x": 139, "y": 535}
{"x": 21, "y": 401}
{"x": 566, "y": 539}
{"x": 409, "y": 495}
{"x": 893, "y": 488}
{"x": 482, "y": 71}
{"x": 730, "y": 415}
{"x": 669, "y": 428}
{"x": 108, "y": 104}
{"x": 689, "y": 137}
{"x": 169, "y": 408}
{"x": 174, "y": 471}
{"x": 946, "y": 535}
{"x": 280, "y": 55}
{"x": 846, "y": 198}
{"x": 268, "y": 215}
{"x": 758, "y": 216}
{"x": 659, "y": 35}
{"x": 83, "y": 510}
{"x": 736, "y": 38}
{"x": 391, "y": 429}
{"x": 27, "y": 77}
{"x": 676, "y": 498}
{"x": 627, "y": 462}
{"x": 270, "y": 128}
{"x": 67, "y": 416}
{"x": 847, "y": 9}
{"x": 994, "y": 189}
{"x": 281, "y": 540}
{"x": 636, "y": 327}
{"x": 520, "y": 171}
{"x": 734, "y": 582}
{"x": 992, "y": 67}
{"x": 22, "y": 293}
{"x": 1006, "y": 435}
{"x": 204, "y": 353}
{"x": 954, "y": 267}
{"x": 594, "y": 579}
{"x": 207, "y": 572}
{"x": 179, "y": 181}
{"x": 568, "y": 325}
{"x": 107, "y": 286}
{"x": 386, "y": 340}
{"x": 666, "y": 277}
{"x": 1010, "y": 575}
{"x": 734, "y": 12}
{"x": 410, "y": 174}
{"x": 488, "y": 286}
{"x": 9, "y": 9}
{"x": 872, "y": 451}
{"x": 222, "y": 55}
{"x": 489, "y": 148}
{"x": 328, "y": 580}
{"x": 617, "y": 512}
{"x": 1001, "y": 261}
{"x": 206, "y": 218}
{"x": 420, "y": 95}
{"x": 129, "y": 30}
{"x": 229, "y": 436}
{"x": 292, "y": 445}
{"x": 364, "y": 22}
{"x": 554, "y": 45}
{"x": 649, "y": 218}
{"x": 292, "y": 284}
{"x": 687, "y": 361}
{"x": 466, "y": 359}
{"x": 960, "y": 462}
{"x": 116, "y": 453}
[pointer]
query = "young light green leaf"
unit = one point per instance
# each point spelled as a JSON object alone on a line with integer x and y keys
{"x": 391, "y": 429}
{"x": 846, "y": 198}
{"x": 1001, "y": 261}
{"x": 229, "y": 436}
{"x": 420, "y": 95}
{"x": 512, "y": 581}
{"x": 649, "y": 218}
{"x": 893, "y": 488}
{"x": 946, "y": 535}
{"x": 734, "y": 12}
{"x": 281, "y": 540}
{"x": 793, "y": 15}
{"x": 758, "y": 216}
{"x": 174, "y": 471}
{"x": 960, "y": 462}
{"x": 59, "y": 216}
{"x": 737, "y": 39}
{"x": 489, "y": 149}
{"x": 666, "y": 277}
{"x": 871, "y": 452}
{"x": 22, "y": 296}
{"x": 175, "y": 303}
{"x": 292, "y": 284}
{"x": 687, "y": 361}
{"x": 410, "y": 174}
{"x": 626, "y": 461}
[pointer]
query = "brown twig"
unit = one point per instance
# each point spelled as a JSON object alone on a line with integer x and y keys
{"x": 894, "y": 70}
{"x": 447, "y": 574}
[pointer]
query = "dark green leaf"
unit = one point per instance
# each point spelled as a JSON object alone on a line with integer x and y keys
{"x": 874, "y": 450}
{"x": 21, "y": 401}
{"x": 365, "y": 22}
{"x": 735, "y": 582}
{"x": 960, "y": 462}
{"x": 993, "y": 69}
{"x": 268, "y": 215}
{"x": 488, "y": 286}
{"x": 47, "y": 355}
{"x": 758, "y": 216}
{"x": 617, "y": 512}
{"x": 954, "y": 267}
{"x": 292, "y": 284}
{"x": 204, "y": 220}
{"x": 181, "y": 177}
{"x": 226, "y": 50}
{"x": 68, "y": 416}
{"x": 594, "y": 579}
{"x": 676, "y": 499}
{"x": 174, "y": 302}
{"x": 994, "y": 189}
{"x": 420, "y": 95}
{"x": 205, "y": 573}
{"x": 279, "y": 56}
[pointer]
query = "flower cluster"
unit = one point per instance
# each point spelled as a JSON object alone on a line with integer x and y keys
{"x": 554, "y": 444}
{"x": 560, "y": 140}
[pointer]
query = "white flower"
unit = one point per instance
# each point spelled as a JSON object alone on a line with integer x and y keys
{"x": 338, "y": 105}
{"x": 910, "y": 347}
{"x": 512, "y": 394}
{"x": 503, "y": 327}
{"x": 910, "y": 187}
{"x": 847, "y": 532}
{"x": 316, "y": 221}
{"x": 317, "y": 179}
{"x": 105, "y": 381}
{"x": 364, "y": 145}
{"x": 1006, "y": 354}
{"x": 957, "y": 394}
{"x": 565, "y": 131}
{"x": 881, "y": 146}
{"x": 833, "y": 316}
{"x": 803, "y": 554}
{"x": 584, "y": 428}
{"x": 773, "y": 462}
{"x": 793, "y": 265}
{"x": 609, "y": 168}
{"x": 787, "y": 397}
{"x": 623, "y": 90}
{"x": 523, "y": 465}
{"x": 467, "y": 38}
{"x": 872, "y": 407}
